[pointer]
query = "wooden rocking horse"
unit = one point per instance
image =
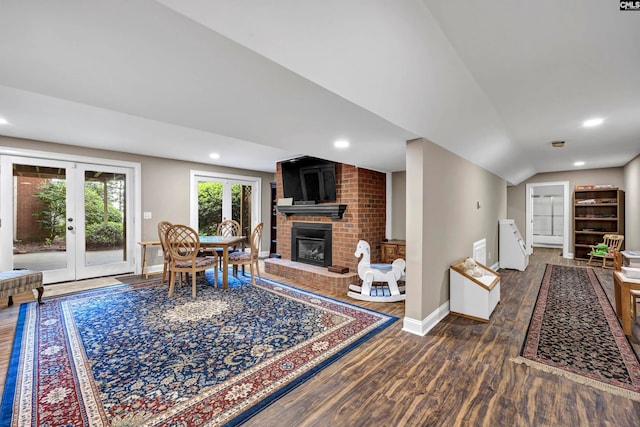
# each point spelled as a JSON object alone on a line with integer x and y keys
{"x": 377, "y": 273}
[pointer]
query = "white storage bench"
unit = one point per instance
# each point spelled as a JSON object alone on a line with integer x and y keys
{"x": 473, "y": 297}
{"x": 16, "y": 281}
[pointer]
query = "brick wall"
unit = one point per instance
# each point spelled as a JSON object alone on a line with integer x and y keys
{"x": 27, "y": 227}
{"x": 364, "y": 193}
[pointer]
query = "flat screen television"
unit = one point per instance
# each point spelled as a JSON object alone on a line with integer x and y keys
{"x": 309, "y": 180}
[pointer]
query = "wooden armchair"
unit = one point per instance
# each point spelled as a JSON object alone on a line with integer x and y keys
{"x": 613, "y": 243}
{"x": 184, "y": 243}
{"x": 227, "y": 228}
{"x": 163, "y": 226}
{"x": 249, "y": 258}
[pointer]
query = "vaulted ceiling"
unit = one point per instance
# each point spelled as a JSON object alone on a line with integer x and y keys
{"x": 257, "y": 82}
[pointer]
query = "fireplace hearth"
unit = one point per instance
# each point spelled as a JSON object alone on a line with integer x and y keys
{"x": 311, "y": 243}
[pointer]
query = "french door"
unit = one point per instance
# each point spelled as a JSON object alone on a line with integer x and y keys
{"x": 547, "y": 221}
{"x": 69, "y": 220}
{"x": 218, "y": 197}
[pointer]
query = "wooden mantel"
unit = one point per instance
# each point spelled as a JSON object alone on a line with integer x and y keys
{"x": 333, "y": 211}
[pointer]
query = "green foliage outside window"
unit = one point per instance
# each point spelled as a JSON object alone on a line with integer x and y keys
{"x": 210, "y": 206}
{"x": 104, "y": 235}
{"x": 100, "y": 231}
{"x": 94, "y": 206}
{"x": 51, "y": 214}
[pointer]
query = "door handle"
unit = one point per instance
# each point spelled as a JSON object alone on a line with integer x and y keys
{"x": 70, "y": 227}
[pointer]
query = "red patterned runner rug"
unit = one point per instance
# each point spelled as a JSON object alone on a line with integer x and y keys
{"x": 128, "y": 355}
{"x": 574, "y": 332}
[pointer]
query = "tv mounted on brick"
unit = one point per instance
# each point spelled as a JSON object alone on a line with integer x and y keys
{"x": 309, "y": 180}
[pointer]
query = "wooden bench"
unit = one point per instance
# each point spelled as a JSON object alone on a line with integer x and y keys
{"x": 16, "y": 281}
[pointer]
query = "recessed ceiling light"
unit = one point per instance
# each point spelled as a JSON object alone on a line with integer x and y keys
{"x": 557, "y": 144}
{"x": 341, "y": 143}
{"x": 214, "y": 155}
{"x": 579, "y": 163}
{"x": 593, "y": 122}
{"x": 3, "y": 121}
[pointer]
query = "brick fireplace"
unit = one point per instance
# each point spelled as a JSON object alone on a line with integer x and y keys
{"x": 363, "y": 192}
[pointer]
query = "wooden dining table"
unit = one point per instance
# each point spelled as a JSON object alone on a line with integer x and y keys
{"x": 622, "y": 286}
{"x": 224, "y": 243}
{"x": 144, "y": 245}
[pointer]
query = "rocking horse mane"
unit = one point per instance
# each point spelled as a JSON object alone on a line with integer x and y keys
{"x": 363, "y": 249}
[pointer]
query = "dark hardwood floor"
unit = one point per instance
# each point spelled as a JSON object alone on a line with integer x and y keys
{"x": 459, "y": 374}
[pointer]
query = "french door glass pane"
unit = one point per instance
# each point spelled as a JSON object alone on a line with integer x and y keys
{"x": 40, "y": 212}
{"x": 548, "y": 215}
{"x": 105, "y": 218}
{"x": 218, "y": 201}
{"x": 209, "y": 207}
{"x": 241, "y": 207}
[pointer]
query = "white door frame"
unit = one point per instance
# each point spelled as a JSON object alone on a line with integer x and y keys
{"x": 84, "y": 271}
{"x": 6, "y": 214}
{"x": 567, "y": 215}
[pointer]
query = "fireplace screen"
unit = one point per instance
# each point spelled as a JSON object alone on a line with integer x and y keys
{"x": 311, "y": 250}
{"x": 311, "y": 243}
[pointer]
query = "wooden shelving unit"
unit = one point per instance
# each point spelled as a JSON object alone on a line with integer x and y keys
{"x": 596, "y": 212}
{"x": 273, "y": 235}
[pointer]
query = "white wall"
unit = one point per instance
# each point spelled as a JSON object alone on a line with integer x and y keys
{"x": 517, "y": 195}
{"x": 165, "y": 184}
{"x": 443, "y": 221}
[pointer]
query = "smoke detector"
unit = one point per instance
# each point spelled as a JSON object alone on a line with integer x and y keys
{"x": 557, "y": 144}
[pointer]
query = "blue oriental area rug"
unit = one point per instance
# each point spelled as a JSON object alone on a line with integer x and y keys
{"x": 574, "y": 333}
{"x": 128, "y": 355}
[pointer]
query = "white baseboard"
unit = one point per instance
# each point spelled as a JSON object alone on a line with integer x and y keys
{"x": 495, "y": 266}
{"x": 548, "y": 245}
{"x": 422, "y": 327}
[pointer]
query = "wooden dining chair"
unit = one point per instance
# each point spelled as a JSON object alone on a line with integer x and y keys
{"x": 163, "y": 226}
{"x": 249, "y": 258}
{"x": 226, "y": 228}
{"x": 184, "y": 243}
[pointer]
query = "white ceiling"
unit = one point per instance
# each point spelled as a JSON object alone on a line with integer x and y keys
{"x": 257, "y": 82}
